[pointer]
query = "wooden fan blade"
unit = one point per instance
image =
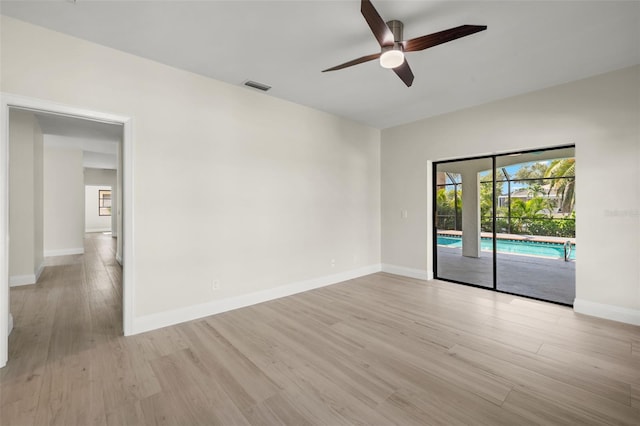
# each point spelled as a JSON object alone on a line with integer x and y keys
{"x": 379, "y": 28}
{"x": 354, "y": 62}
{"x": 404, "y": 72}
{"x": 427, "y": 41}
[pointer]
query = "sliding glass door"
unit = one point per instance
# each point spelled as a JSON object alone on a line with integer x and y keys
{"x": 463, "y": 221}
{"x": 535, "y": 223}
{"x": 507, "y": 222}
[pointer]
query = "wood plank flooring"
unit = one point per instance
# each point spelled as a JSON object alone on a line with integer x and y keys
{"x": 378, "y": 350}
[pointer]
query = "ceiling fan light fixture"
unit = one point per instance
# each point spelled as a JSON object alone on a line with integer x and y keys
{"x": 390, "y": 38}
{"x": 391, "y": 58}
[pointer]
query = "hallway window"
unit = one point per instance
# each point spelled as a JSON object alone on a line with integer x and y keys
{"x": 104, "y": 202}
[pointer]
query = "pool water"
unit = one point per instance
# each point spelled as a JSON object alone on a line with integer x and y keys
{"x": 531, "y": 248}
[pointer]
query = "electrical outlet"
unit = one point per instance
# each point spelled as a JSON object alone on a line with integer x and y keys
{"x": 333, "y": 263}
{"x": 215, "y": 285}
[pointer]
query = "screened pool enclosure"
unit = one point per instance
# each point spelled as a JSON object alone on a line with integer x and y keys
{"x": 507, "y": 222}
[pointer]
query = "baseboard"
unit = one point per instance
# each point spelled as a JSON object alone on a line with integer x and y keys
{"x": 18, "y": 280}
{"x": 63, "y": 252}
{"x": 611, "y": 312}
{"x": 89, "y": 231}
{"x": 407, "y": 272}
{"x": 39, "y": 270}
{"x": 165, "y": 319}
{"x": 119, "y": 259}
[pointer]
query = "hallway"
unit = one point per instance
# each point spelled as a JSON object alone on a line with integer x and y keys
{"x": 60, "y": 325}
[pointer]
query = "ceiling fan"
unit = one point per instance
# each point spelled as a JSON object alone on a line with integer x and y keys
{"x": 393, "y": 48}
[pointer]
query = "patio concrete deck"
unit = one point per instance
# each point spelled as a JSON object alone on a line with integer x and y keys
{"x": 542, "y": 278}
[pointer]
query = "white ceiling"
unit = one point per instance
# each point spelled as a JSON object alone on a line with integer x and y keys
{"x": 72, "y": 127}
{"x": 528, "y": 45}
{"x": 98, "y": 141}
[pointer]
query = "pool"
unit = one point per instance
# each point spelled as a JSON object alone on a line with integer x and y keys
{"x": 530, "y": 248}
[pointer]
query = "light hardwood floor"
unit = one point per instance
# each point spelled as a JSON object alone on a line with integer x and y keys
{"x": 378, "y": 350}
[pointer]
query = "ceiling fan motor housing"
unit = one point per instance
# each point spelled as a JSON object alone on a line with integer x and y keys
{"x": 396, "y": 28}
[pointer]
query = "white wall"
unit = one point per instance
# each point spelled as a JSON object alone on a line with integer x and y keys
{"x": 25, "y": 198}
{"x": 21, "y": 193}
{"x": 229, "y": 184}
{"x": 600, "y": 115}
{"x": 63, "y": 201}
{"x": 93, "y": 222}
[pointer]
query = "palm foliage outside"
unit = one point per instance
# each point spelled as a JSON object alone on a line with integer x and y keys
{"x": 563, "y": 174}
{"x": 449, "y": 209}
{"x": 539, "y": 214}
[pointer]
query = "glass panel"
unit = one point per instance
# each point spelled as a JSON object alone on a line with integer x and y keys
{"x": 464, "y": 210}
{"x": 535, "y": 224}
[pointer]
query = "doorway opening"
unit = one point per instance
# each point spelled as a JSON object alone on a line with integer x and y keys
{"x": 91, "y": 119}
{"x": 507, "y": 223}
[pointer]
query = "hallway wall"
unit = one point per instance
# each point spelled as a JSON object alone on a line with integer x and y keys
{"x": 63, "y": 201}
{"x": 26, "y": 255}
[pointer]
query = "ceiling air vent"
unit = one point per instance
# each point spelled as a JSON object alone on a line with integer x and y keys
{"x": 256, "y": 85}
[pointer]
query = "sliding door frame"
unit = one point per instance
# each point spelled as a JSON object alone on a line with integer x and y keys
{"x": 434, "y": 193}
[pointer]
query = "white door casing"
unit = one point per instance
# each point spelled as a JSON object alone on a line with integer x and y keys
{"x": 7, "y": 101}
